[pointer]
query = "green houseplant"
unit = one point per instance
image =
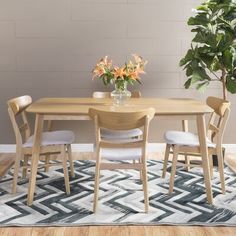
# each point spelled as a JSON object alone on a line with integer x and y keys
{"x": 212, "y": 56}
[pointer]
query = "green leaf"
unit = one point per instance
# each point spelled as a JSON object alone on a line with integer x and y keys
{"x": 227, "y": 58}
{"x": 199, "y": 38}
{"x": 200, "y": 19}
{"x": 201, "y": 74}
{"x": 211, "y": 39}
{"x": 215, "y": 65}
{"x": 202, "y": 86}
{"x": 188, "y": 57}
{"x": 194, "y": 63}
{"x": 104, "y": 81}
{"x": 130, "y": 82}
{"x": 233, "y": 50}
{"x": 196, "y": 77}
{"x": 227, "y": 41}
{"x": 233, "y": 23}
{"x": 189, "y": 71}
{"x": 231, "y": 84}
{"x": 202, "y": 8}
{"x": 187, "y": 84}
{"x": 208, "y": 60}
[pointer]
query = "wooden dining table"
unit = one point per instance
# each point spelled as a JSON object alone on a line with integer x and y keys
{"x": 77, "y": 109}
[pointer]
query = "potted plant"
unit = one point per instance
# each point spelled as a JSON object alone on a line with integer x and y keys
{"x": 212, "y": 56}
{"x": 129, "y": 73}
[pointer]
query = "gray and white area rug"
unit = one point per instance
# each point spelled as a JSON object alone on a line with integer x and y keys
{"x": 120, "y": 199}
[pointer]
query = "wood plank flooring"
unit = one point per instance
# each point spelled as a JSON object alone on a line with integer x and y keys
{"x": 6, "y": 161}
{"x": 119, "y": 231}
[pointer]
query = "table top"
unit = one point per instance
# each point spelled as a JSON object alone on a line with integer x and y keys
{"x": 80, "y": 106}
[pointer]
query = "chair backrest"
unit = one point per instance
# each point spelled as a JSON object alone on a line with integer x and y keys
{"x": 219, "y": 118}
{"x": 99, "y": 94}
{"x": 16, "y": 108}
{"x": 115, "y": 120}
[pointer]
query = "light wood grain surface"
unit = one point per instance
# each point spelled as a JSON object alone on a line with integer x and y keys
{"x": 120, "y": 231}
{"x": 80, "y": 106}
{"x": 77, "y": 108}
{"x": 6, "y": 161}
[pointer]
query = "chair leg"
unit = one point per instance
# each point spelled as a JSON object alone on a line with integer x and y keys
{"x": 96, "y": 184}
{"x": 167, "y": 153}
{"x": 16, "y": 168}
{"x": 72, "y": 171}
{"x": 187, "y": 162}
{"x": 145, "y": 186}
{"x": 140, "y": 172}
{"x": 211, "y": 166}
{"x": 173, "y": 168}
{"x": 47, "y": 160}
{"x": 25, "y": 167}
{"x": 221, "y": 168}
{"x": 65, "y": 169}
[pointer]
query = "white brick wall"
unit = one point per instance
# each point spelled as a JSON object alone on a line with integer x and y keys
{"x": 48, "y": 48}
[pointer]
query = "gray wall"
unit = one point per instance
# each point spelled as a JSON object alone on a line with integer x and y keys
{"x": 48, "y": 48}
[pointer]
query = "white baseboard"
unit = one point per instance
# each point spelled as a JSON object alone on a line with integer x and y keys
{"x": 7, "y": 148}
{"x": 88, "y": 147}
{"x": 85, "y": 147}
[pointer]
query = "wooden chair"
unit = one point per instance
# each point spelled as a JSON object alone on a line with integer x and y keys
{"x": 117, "y": 134}
{"x": 121, "y": 150}
{"x": 187, "y": 143}
{"x": 56, "y": 142}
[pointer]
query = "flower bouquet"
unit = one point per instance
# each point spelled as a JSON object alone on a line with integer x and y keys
{"x": 129, "y": 73}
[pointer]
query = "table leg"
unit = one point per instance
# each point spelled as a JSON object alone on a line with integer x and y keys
{"x": 185, "y": 125}
{"x": 201, "y": 126}
{"x": 47, "y": 156}
{"x": 35, "y": 157}
{"x": 187, "y": 159}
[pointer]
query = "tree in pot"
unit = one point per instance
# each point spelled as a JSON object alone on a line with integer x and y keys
{"x": 212, "y": 56}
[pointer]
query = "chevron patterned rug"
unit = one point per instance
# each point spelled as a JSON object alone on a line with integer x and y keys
{"x": 120, "y": 199}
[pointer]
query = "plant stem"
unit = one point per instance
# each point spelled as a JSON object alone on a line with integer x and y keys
{"x": 205, "y": 66}
{"x": 223, "y": 80}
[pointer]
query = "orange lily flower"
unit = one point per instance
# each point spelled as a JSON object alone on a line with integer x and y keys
{"x": 106, "y": 62}
{"x": 98, "y": 71}
{"x": 137, "y": 58}
{"x": 139, "y": 69}
{"x": 119, "y": 72}
{"x": 133, "y": 75}
{"x": 130, "y": 71}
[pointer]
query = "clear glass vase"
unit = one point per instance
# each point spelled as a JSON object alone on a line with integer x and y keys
{"x": 120, "y": 95}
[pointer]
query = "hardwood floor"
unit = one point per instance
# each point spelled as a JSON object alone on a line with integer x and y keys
{"x": 119, "y": 231}
{"x": 230, "y": 160}
{"x": 6, "y": 161}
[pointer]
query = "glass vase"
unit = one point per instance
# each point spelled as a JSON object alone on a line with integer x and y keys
{"x": 120, "y": 95}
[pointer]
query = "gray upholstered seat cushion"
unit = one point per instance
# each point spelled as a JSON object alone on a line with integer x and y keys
{"x": 184, "y": 138}
{"x": 53, "y": 138}
{"x": 120, "y": 134}
{"x": 119, "y": 154}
